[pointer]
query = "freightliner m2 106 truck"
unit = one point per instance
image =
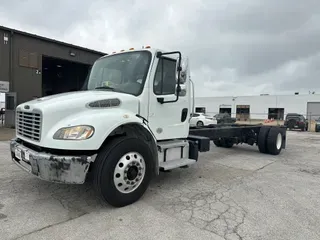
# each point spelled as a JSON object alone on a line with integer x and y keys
{"x": 129, "y": 123}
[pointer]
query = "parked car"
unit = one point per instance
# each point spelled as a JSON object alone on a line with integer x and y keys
{"x": 296, "y": 121}
{"x": 224, "y": 118}
{"x": 318, "y": 125}
{"x": 201, "y": 119}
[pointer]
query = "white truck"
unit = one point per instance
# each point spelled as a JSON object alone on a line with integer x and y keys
{"x": 131, "y": 122}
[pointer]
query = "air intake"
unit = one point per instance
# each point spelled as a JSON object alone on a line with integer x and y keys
{"x": 106, "y": 103}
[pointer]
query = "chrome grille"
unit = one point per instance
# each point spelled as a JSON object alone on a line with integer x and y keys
{"x": 28, "y": 125}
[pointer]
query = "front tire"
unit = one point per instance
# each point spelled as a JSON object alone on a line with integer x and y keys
{"x": 123, "y": 170}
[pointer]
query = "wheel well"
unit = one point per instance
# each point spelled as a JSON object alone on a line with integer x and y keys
{"x": 139, "y": 131}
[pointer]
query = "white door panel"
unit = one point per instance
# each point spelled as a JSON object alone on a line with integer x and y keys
{"x": 165, "y": 119}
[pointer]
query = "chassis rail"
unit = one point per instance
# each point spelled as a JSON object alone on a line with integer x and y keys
{"x": 226, "y": 135}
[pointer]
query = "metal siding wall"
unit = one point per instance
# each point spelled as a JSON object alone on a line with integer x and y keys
{"x": 27, "y": 83}
{"x": 4, "y": 57}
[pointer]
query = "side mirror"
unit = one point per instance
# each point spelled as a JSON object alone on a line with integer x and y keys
{"x": 184, "y": 70}
{"x": 182, "y": 92}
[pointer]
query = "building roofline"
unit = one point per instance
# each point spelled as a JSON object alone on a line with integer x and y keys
{"x": 271, "y": 95}
{"x": 50, "y": 40}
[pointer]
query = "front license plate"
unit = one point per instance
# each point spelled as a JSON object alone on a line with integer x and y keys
{"x": 17, "y": 153}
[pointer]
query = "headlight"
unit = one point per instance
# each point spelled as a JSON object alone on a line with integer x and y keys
{"x": 74, "y": 133}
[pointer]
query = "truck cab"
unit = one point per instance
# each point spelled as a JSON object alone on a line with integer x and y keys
{"x": 130, "y": 121}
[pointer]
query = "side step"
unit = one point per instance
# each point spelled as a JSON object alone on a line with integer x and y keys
{"x": 172, "y": 144}
{"x": 172, "y": 164}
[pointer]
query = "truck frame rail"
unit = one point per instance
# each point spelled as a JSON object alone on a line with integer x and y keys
{"x": 269, "y": 139}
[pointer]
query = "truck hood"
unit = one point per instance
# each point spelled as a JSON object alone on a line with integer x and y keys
{"x": 77, "y": 99}
{"x": 58, "y": 106}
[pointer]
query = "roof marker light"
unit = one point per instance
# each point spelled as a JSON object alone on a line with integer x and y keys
{"x": 131, "y": 48}
{"x": 147, "y": 46}
{"x": 122, "y": 50}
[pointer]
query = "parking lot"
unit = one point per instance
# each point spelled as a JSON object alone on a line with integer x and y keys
{"x": 231, "y": 194}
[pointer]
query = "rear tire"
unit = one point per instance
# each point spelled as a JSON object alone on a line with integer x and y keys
{"x": 274, "y": 141}
{"x": 262, "y": 139}
{"x": 217, "y": 143}
{"x": 227, "y": 143}
{"x": 200, "y": 124}
{"x": 123, "y": 170}
{"x": 292, "y": 123}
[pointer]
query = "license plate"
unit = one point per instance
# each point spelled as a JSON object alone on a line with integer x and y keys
{"x": 17, "y": 153}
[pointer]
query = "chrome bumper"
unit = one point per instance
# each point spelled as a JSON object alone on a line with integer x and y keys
{"x": 52, "y": 168}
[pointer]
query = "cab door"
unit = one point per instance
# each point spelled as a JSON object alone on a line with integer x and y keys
{"x": 167, "y": 120}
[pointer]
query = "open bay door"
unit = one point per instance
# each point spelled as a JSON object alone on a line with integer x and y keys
{"x": 10, "y": 115}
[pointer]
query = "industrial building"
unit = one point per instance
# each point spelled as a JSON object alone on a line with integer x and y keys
{"x": 261, "y": 107}
{"x": 33, "y": 66}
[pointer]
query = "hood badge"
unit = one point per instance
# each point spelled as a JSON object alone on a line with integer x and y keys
{"x": 26, "y": 107}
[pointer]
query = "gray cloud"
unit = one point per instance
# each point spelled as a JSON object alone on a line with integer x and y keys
{"x": 234, "y": 47}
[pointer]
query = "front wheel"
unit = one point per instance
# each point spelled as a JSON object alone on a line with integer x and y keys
{"x": 123, "y": 170}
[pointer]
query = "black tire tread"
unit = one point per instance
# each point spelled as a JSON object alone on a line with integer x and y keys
{"x": 99, "y": 172}
{"x": 201, "y": 123}
{"x": 227, "y": 143}
{"x": 217, "y": 143}
{"x": 272, "y": 141}
{"x": 262, "y": 139}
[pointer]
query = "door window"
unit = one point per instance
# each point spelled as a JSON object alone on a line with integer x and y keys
{"x": 165, "y": 77}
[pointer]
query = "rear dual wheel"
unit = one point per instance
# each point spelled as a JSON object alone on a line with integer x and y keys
{"x": 270, "y": 140}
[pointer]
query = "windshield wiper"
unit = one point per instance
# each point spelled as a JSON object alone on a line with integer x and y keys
{"x": 105, "y": 87}
{"x": 111, "y": 88}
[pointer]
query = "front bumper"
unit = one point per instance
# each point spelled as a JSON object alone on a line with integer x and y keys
{"x": 52, "y": 168}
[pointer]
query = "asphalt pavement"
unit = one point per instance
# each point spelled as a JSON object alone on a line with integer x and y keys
{"x": 234, "y": 193}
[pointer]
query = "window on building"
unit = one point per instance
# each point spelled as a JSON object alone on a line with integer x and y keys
{"x": 225, "y": 110}
{"x": 28, "y": 59}
{"x": 165, "y": 77}
{"x": 200, "y": 109}
{"x": 243, "y": 112}
{"x": 276, "y": 113}
{"x": 10, "y": 103}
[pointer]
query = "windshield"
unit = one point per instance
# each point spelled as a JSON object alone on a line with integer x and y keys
{"x": 125, "y": 72}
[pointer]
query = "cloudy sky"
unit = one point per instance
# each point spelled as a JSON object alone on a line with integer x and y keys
{"x": 235, "y": 47}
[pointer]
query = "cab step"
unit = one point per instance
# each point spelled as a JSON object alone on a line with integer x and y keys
{"x": 172, "y": 144}
{"x": 172, "y": 164}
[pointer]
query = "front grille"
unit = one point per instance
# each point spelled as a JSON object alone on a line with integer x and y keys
{"x": 28, "y": 125}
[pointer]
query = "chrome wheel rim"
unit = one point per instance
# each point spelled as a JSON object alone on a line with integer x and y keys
{"x": 129, "y": 172}
{"x": 279, "y": 141}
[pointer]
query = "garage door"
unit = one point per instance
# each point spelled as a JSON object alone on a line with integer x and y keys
{"x": 313, "y": 110}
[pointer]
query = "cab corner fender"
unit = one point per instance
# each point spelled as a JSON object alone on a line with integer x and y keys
{"x": 135, "y": 126}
